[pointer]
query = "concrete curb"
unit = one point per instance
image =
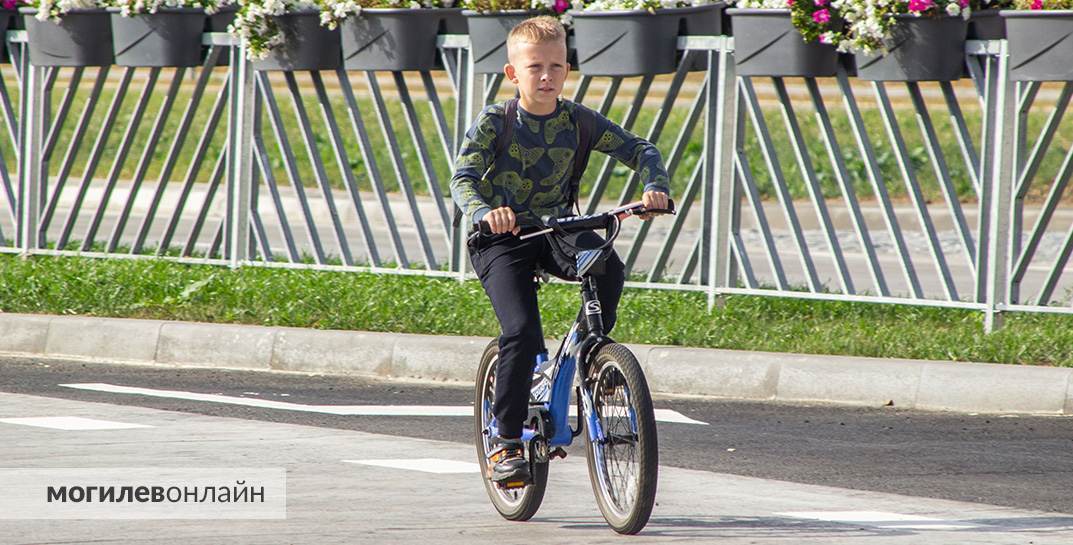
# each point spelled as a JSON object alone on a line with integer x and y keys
{"x": 928, "y": 385}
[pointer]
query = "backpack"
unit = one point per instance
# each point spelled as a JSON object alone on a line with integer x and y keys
{"x": 584, "y": 118}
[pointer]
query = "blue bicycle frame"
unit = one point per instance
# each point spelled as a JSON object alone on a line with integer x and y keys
{"x": 551, "y": 391}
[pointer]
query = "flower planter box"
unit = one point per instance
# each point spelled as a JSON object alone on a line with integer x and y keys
{"x": 453, "y": 22}
{"x": 710, "y": 20}
{"x": 849, "y": 63}
{"x": 391, "y": 39}
{"x": 1039, "y": 44}
{"x": 218, "y": 22}
{"x": 306, "y": 44}
{"x": 635, "y": 43}
{"x": 768, "y": 44}
{"x": 8, "y": 20}
{"x": 82, "y": 37}
{"x": 987, "y": 24}
{"x": 488, "y": 37}
{"x": 707, "y": 20}
{"x": 919, "y": 49}
{"x": 169, "y": 37}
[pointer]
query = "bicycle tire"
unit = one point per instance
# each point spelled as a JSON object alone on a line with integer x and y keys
{"x": 625, "y": 509}
{"x": 516, "y": 505}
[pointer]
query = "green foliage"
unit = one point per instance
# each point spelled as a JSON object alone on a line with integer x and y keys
{"x": 491, "y": 6}
{"x": 1042, "y": 4}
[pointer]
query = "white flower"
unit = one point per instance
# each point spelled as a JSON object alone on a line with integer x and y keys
{"x": 953, "y": 9}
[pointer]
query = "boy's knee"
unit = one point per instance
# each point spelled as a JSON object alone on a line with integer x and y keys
{"x": 527, "y": 338}
{"x": 614, "y": 269}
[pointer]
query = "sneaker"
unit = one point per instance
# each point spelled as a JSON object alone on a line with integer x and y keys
{"x": 510, "y": 466}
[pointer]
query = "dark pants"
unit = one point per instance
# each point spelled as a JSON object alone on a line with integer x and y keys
{"x": 505, "y": 266}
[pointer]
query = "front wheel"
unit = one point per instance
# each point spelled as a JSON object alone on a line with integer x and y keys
{"x": 518, "y": 504}
{"x": 621, "y": 444}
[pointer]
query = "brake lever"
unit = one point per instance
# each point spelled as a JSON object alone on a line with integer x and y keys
{"x": 535, "y": 233}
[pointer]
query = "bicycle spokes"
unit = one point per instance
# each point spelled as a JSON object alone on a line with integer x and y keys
{"x": 510, "y": 494}
{"x": 616, "y": 449}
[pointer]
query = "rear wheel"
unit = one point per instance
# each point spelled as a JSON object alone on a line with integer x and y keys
{"x": 624, "y": 457}
{"x": 518, "y": 504}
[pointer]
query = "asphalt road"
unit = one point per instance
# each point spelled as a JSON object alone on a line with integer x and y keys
{"x": 1021, "y": 462}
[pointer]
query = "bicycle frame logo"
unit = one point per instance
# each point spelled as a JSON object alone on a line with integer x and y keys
{"x": 592, "y": 307}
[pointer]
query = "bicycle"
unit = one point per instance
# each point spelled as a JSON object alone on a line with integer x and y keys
{"x": 614, "y": 406}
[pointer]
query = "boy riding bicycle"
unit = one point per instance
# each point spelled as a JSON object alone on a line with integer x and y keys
{"x": 517, "y": 164}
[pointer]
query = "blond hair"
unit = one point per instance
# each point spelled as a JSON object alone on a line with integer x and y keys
{"x": 537, "y": 30}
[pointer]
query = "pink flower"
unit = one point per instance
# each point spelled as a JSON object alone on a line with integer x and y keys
{"x": 1037, "y": 4}
{"x": 821, "y": 16}
{"x": 823, "y": 39}
{"x": 963, "y": 3}
{"x": 561, "y": 6}
{"x": 920, "y": 5}
{"x": 820, "y": 3}
{"x": 790, "y": 3}
{"x": 11, "y": 4}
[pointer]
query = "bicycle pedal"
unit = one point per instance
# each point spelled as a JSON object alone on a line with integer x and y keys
{"x": 512, "y": 485}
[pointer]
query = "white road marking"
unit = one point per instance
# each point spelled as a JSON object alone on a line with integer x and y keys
{"x": 662, "y": 415}
{"x": 427, "y": 465}
{"x": 882, "y": 519}
{"x": 71, "y": 423}
{"x": 667, "y": 415}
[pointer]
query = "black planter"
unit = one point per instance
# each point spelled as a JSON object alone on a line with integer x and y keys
{"x": 7, "y": 20}
{"x": 919, "y": 49}
{"x": 710, "y": 20}
{"x": 768, "y": 44}
{"x": 631, "y": 43}
{"x": 849, "y": 64}
{"x": 987, "y": 24}
{"x": 453, "y": 22}
{"x": 306, "y": 44}
{"x": 169, "y": 37}
{"x": 391, "y": 39}
{"x": 83, "y": 37}
{"x": 1040, "y": 44}
{"x": 707, "y": 20}
{"x": 218, "y": 22}
{"x": 488, "y": 37}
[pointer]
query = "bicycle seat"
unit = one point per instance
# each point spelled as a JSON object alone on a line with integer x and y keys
{"x": 587, "y": 258}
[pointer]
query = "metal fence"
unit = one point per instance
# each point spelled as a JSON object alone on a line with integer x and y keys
{"x": 813, "y": 188}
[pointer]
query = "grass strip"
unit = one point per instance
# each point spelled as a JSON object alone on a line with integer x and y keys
{"x": 160, "y": 289}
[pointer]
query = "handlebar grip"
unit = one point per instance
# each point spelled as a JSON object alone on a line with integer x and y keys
{"x": 669, "y": 210}
{"x": 483, "y": 228}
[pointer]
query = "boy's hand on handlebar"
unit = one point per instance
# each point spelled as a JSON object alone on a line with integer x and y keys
{"x": 501, "y": 220}
{"x": 653, "y": 200}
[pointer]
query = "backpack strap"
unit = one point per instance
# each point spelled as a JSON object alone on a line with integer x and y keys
{"x": 585, "y": 119}
{"x": 503, "y": 139}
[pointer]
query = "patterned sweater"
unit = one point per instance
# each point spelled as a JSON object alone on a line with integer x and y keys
{"x": 533, "y": 176}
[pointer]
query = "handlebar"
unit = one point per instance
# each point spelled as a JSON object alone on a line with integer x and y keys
{"x": 573, "y": 224}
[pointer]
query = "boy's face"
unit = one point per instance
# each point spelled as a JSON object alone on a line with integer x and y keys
{"x": 539, "y": 71}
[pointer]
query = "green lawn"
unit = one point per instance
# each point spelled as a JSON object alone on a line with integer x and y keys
{"x": 166, "y": 290}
